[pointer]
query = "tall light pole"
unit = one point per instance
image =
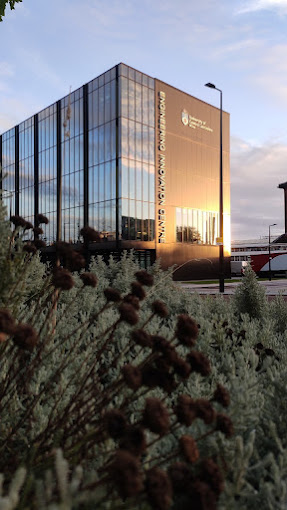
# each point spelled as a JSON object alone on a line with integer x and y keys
{"x": 269, "y": 251}
{"x": 221, "y": 245}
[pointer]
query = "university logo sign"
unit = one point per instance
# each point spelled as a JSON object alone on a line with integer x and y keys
{"x": 193, "y": 122}
{"x": 184, "y": 117}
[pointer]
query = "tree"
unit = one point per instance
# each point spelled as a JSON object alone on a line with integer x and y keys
{"x": 3, "y": 4}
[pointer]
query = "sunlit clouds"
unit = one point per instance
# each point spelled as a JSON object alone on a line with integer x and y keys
{"x": 240, "y": 45}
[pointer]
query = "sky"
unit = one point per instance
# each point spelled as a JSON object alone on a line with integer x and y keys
{"x": 48, "y": 47}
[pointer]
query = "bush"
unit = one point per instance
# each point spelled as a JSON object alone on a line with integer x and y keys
{"x": 93, "y": 402}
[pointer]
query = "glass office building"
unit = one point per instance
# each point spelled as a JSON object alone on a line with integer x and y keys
{"x": 128, "y": 155}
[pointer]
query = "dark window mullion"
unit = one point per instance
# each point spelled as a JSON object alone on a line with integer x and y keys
{"x": 17, "y": 169}
{"x": 36, "y": 168}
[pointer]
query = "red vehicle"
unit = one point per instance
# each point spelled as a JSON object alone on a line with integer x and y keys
{"x": 257, "y": 254}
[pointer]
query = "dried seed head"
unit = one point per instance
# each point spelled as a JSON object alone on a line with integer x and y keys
{"x": 18, "y": 221}
{"x": 62, "y": 279}
{"x": 199, "y": 363}
{"x": 185, "y": 410}
{"x": 202, "y": 496}
{"x": 153, "y": 377}
{"x": 186, "y": 330}
{"x": 138, "y": 290}
{"x": 42, "y": 219}
{"x": 25, "y": 337}
{"x": 90, "y": 235}
{"x": 63, "y": 248}
{"x": 7, "y": 323}
{"x": 132, "y": 376}
{"x": 160, "y": 344}
{"x": 3, "y": 337}
{"x": 89, "y": 279}
{"x": 28, "y": 225}
{"x": 115, "y": 423}
{"x": 39, "y": 243}
{"x": 211, "y": 474}
{"x": 181, "y": 368}
{"x": 128, "y": 314}
{"x": 132, "y": 300}
{"x": 75, "y": 261}
{"x": 112, "y": 295}
{"x": 160, "y": 309}
{"x": 30, "y": 248}
{"x": 221, "y": 396}
{"x": 224, "y": 425}
{"x": 134, "y": 440}
{"x": 141, "y": 337}
{"x": 144, "y": 278}
{"x": 126, "y": 474}
{"x": 38, "y": 231}
{"x": 189, "y": 448}
{"x": 156, "y": 416}
{"x": 180, "y": 476}
{"x": 159, "y": 489}
{"x": 205, "y": 411}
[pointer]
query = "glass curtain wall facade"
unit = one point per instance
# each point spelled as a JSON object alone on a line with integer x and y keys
{"x": 102, "y": 112}
{"x": 47, "y": 128}
{"x": 132, "y": 157}
{"x": 72, "y": 166}
{"x": 8, "y": 170}
{"x": 137, "y": 155}
{"x": 196, "y": 226}
{"x": 26, "y": 169}
{"x": 114, "y": 182}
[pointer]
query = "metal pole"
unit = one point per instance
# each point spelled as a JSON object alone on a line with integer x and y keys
{"x": 269, "y": 255}
{"x": 221, "y": 247}
{"x": 221, "y": 244}
{"x": 269, "y": 252}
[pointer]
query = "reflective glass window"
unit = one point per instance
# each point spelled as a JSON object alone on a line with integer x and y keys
{"x": 125, "y": 177}
{"x": 138, "y": 151}
{"x": 196, "y": 226}
{"x": 131, "y": 97}
{"x": 132, "y": 180}
{"x": 138, "y": 103}
{"x": 137, "y": 176}
{"x": 132, "y": 139}
{"x": 107, "y": 102}
{"x": 101, "y": 105}
{"x": 145, "y": 181}
{"x": 108, "y": 148}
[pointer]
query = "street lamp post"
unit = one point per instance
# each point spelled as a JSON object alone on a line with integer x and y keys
{"x": 269, "y": 251}
{"x": 221, "y": 246}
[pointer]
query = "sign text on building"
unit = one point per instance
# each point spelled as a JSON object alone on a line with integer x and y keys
{"x": 161, "y": 168}
{"x": 193, "y": 122}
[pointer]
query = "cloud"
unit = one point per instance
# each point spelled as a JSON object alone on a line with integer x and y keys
{"x": 256, "y": 201}
{"x": 14, "y": 111}
{"x": 279, "y": 6}
{"x": 6, "y": 69}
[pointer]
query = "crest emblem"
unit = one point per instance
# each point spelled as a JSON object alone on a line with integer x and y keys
{"x": 184, "y": 117}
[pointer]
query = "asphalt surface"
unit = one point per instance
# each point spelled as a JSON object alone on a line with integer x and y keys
{"x": 272, "y": 288}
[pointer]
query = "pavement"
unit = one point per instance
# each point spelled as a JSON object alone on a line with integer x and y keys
{"x": 272, "y": 288}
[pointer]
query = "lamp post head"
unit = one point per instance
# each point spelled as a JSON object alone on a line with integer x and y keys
{"x": 210, "y": 85}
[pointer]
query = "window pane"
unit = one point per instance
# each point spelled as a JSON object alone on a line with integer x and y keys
{"x": 131, "y": 100}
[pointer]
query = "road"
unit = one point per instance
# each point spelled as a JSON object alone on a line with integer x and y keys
{"x": 272, "y": 288}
